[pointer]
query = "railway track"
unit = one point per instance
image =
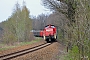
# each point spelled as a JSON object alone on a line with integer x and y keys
{"x": 23, "y": 52}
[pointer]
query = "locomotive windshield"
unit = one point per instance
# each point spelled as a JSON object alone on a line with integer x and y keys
{"x": 52, "y": 26}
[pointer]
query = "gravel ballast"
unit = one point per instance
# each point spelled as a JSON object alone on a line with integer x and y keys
{"x": 48, "y": 53}
{"x": 51, "y": 52}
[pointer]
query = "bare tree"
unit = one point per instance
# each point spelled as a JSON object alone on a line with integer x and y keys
{"x": 39, "y": 22}
{"x": 55, "y": 5}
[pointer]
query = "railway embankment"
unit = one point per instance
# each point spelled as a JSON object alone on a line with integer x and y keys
{"x": 51, "y": 52}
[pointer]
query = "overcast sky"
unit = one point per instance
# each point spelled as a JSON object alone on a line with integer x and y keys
{"x": 7, "y": 6}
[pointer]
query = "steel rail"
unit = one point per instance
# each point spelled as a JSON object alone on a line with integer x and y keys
{"x": 23, "y": 52}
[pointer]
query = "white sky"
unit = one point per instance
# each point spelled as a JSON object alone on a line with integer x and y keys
{"x": 7, "y": 6}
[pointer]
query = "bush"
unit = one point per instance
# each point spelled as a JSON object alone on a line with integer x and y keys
{"x": 73, "y": 54}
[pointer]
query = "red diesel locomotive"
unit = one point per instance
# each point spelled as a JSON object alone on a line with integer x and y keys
{"x": 49, "y": 33}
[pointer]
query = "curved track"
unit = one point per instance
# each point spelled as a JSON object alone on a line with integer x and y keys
{"x": 23, "y": 52}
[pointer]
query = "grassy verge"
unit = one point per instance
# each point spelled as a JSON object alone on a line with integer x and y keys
{"x": 34, "y": 41}
{"x": 72, "y": 54}
{"x": 5, "y": 47}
